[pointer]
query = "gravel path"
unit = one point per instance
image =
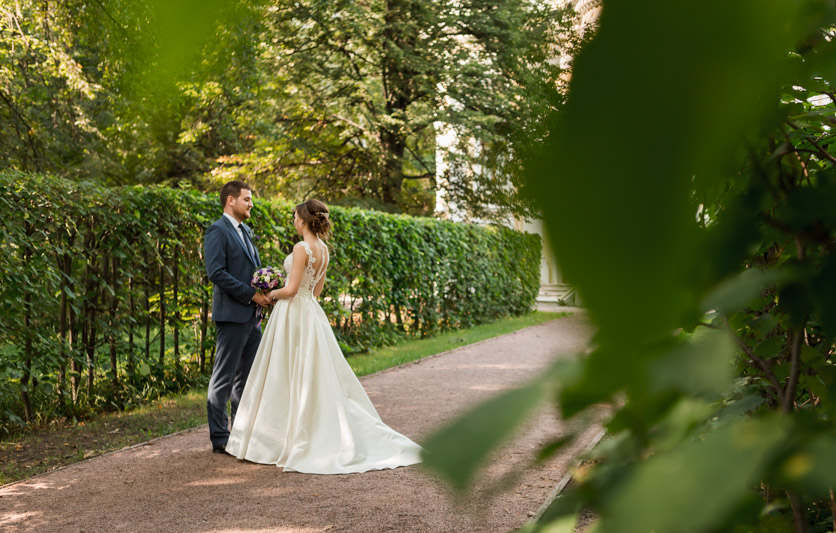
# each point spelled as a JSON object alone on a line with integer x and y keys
{"x": 176, "y": 484}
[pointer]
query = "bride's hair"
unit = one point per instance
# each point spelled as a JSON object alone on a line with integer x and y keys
{"x": 315, "y": 214}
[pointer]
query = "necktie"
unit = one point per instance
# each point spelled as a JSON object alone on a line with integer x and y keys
{"x": 247, "y": 240}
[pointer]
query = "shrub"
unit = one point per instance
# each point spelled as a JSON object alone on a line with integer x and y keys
{"x": 104, "y": 299}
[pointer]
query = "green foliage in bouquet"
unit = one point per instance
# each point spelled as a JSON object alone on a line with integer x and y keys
{"x": 694, "y": 169}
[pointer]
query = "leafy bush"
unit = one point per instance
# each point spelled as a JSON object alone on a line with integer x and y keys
{"x": 704, "y": 246}
{"x": 104, "y": 300}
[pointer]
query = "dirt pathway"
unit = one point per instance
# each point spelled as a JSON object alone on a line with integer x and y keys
{"x": 176, "y": 484}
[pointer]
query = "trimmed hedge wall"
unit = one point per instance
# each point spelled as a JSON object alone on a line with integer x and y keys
{"x": 104, "y": 299}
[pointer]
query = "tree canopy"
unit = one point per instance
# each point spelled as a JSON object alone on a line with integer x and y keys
{"x": 343, "y": 100}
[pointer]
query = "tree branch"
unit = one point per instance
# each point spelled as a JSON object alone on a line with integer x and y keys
{"x": 757, "y": 360}
{"x": 821, "y": 151}
{"x": 111, "y": 17}
{"x": 798, "y": 513}
{"x": 418, "y": 158}
{"x": 22, "y": 119}
{"x": 795, "y": 369}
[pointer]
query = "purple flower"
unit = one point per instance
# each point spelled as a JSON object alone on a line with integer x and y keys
{"x": 266, "y": 278}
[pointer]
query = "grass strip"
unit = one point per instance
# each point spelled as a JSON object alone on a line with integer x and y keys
{"x": 60, "y": 444}
{"x": 412, "y": 350}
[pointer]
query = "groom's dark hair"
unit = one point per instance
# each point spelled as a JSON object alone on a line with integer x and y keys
{"x": 233, "y": 188}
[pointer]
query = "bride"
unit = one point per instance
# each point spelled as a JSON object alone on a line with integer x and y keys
{"x": 303, "y": 408}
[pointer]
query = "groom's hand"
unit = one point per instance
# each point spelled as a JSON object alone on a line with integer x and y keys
{"x": 262, "y": 300}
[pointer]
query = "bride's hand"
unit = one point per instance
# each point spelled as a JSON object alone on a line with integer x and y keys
{"x": 261, "y": 300}
{"x": 273, "y": 295}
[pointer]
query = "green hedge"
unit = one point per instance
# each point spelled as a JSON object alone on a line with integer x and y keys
{"x": 104, "y": 300}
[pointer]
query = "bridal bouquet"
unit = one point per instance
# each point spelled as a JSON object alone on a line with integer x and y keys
{"x": 266, "y": 279}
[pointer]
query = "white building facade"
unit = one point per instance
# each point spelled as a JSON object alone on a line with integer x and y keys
{"x": 554, "y": 289}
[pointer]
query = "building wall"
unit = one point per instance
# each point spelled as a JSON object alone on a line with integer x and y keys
{"x": 550, "y": 277}
{"x": 588, "y": 11}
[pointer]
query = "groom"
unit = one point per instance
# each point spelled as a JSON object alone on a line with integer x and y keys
{"x": 231, "y": 258}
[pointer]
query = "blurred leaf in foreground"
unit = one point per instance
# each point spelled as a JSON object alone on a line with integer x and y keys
{"x": 686, "y": 490}
{"x": 660, "y": 101}
{"x": 685, "y": 188}
{"x": 460, "y": 448}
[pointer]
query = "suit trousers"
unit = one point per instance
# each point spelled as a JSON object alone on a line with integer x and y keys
{"x": 235, "y": 351}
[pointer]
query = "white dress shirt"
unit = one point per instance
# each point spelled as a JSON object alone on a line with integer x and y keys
{"x": 238, "y": 229}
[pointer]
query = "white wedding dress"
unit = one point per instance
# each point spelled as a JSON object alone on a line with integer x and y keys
{"x": 303, "y": 409}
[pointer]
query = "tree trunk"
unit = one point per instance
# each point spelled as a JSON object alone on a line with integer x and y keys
{"x": 399, "y": 318}
{"x": 798, "y": 513}
{"x": 162, "y": 305}
{"x": 75, "y": 369}
{"x": 399, "y": 91}
{"x": 26, "y": 400}
{"x": 28, "y": 410}
{"x": 147, "y": 291}
{"x": 62, "y": 331}
{"x": 131, "y": 365}
{"x": 176, "y": 302}
{"x": 204, "y": 324}
{"x": 111, "y": 320}
{"x": 204, "y": 316}
{"x": 392, "y": 179}
{"x": 89, "y": 331}
{"x": 92, "y": 333}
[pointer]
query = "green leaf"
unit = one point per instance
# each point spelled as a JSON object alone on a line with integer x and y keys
{"x": 459, "y": 448}
{"x": 698, "y": 368}
{"x": 564, "y": 524}
{"x": 735, "y": 293}
{"x": 621, "y": 217}
{"x": 813, "y": 466}
{"x": 771, "y": 347}
{"x": 689, "y": 489}
{"x": 794, "y": 299}
{"x": 553, "y": 447}
{"x": 824, "y": 297}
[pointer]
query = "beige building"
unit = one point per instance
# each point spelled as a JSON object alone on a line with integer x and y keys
{"x": 588, "y": 10}
{"x": 554, "y": 290}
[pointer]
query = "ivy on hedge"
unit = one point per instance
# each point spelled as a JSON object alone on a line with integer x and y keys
{"x": 103, "y": 290}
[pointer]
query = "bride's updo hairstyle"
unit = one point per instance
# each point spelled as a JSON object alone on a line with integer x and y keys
{"x": 315, "y": 214}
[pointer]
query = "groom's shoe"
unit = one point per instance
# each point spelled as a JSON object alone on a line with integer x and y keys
{"x": 220, "y": 449}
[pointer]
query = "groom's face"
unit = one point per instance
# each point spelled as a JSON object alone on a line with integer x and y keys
{"x": 242, "y": 205}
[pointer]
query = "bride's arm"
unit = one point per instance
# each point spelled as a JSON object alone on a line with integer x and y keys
{"x": 295, "y": 278}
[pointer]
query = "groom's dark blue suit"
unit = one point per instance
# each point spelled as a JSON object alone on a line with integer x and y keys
{"x": 230, "y": 263}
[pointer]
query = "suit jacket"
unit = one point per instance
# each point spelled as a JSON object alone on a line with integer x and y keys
{"x": 230, "y": 268}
